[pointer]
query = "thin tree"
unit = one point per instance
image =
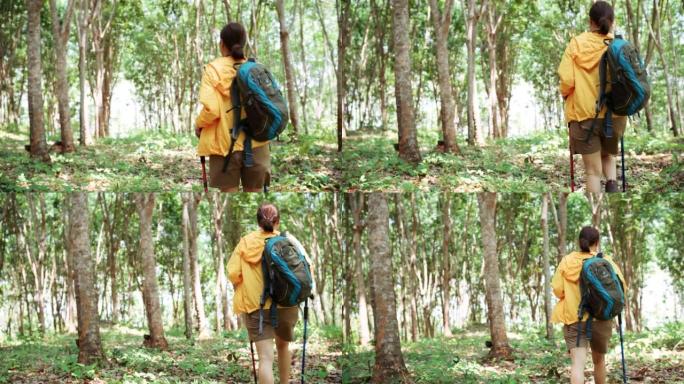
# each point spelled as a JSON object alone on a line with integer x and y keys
{"x": 356, "y": 205}
{"x": 472, "y": 15}
{"x": 408, "y": 141}
{"x": 38, "y": 145}
{"x": 89, "y": 342}
{"x": 193, "y": 232}
{"x": 287, "y": 63}
{"x": 441, "y": 22}
{"x": 156, "y": 339}
{"x": 187, "y": 275}
{"x": 389, "y": 362}
{"x": 60, "y": 34}
{"x": 446, "y": 263}
{"x": 546, "y": 267}
{"x": 495, "y": 309}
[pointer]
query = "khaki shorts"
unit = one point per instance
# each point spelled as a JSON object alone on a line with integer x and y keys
{"x": 601, "y": 331}
{"x": 287, "y": 318}
{"x": 598, "y": 140}
{"x": 252, "y": 177}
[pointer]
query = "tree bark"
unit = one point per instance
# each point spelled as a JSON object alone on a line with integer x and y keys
{"x": 495, "y": 309}
{"x": 89, "y": 342}
{"x": 287, "y": 63}
{"x": 408, "y": 141}
{"x": 156, "y": 339}
{"x": 38, "y": 145}
{"x": 441, "y": 23}
{"x": 83, "y": 26}
{"x": 219, "y": 207}
{"x": 389, "y": 361}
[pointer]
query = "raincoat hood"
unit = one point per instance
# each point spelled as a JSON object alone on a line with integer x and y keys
{"x": 589, "y": 48}
{"x": 224, "y": 71}
{"x": 573, "y": 265}
{"x": 253, "y": 246}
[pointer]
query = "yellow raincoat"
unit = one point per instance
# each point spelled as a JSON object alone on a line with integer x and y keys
{"x": 244, "y": 271}
{"x": 216, "y": 116}
{"x": 565, "y": 285}
{"x": 579, "y": 75}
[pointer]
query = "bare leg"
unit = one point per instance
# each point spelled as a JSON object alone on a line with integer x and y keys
{"x": 609, "y": 167}
{"x": 265, "y": 352}
{"x": 599, "y": 367}
{"x": 593, "y": 170}
{"x": 284, "y": 359}
{"x": 579, "y": 358}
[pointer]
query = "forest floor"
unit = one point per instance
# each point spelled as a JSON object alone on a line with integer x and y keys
{"x": 656, "y": 356}
{"x": 162, "y": 162}
{"x": 217, "y": 360}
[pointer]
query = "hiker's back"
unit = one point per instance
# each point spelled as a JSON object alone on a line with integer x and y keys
{"x": 245, "y": 266}
{"x": 579, "y": 75}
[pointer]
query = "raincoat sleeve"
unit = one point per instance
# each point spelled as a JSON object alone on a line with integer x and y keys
{"x": 557, "y": 282}
{"x": 234, "y": 265}
{"x": 566, "y": 70}
{"x": 209, "y": 98}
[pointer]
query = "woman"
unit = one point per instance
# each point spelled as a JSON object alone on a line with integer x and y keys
{"x": 579, "y": 85}
{"x": 565, "y": 285}
{"x": 215, "y": 121}
{"x": 244, "y": 271}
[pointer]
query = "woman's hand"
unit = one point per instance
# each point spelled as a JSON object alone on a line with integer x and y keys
{"x": 198, "y": 130}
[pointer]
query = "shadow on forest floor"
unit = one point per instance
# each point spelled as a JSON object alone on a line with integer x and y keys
{"x": 157, "y": 162}
{"x": 652, "y": 357}
{"x": 217, "y": 360}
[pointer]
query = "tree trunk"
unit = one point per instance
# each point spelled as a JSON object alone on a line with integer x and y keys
{"x": 408, "y": 141}
{"x": 60, "y": 33}
{"x": 202, "y": 321}
{"x": 287, "y": 62}
{"x": 156, "y": 339}
{"x": 219, "y": 206}
{"x": 89, "y": 343}
{"x": 495, "y": 309}
{"x": 342, "y": 43}
{"x": 441, "y": 23}
{"x": 492, "y": 23}
{"x": 472, "y": 16}
{"x": 356, "y": 205}
{"x": 83, "y": 25}
{"x": 187, "y": 275}
{"x": 546, "y": 267}
{"x": 389, "y": 361}
{"x": 562, "y": 225}
{"x": 38, "y": 144}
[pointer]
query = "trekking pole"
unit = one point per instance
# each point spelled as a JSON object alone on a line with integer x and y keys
{"x": 622, "y": 155}
{"x": 306, "y": 319}
{"x": 251, "y": 347}
{"x": 572, "y": 169}
{"x": 622, "y": 350}
{"x": 204, "y": 174}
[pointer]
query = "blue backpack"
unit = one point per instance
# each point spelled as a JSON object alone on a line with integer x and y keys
{"x": 624, "y": 87}
{"x": 255, "y": 90}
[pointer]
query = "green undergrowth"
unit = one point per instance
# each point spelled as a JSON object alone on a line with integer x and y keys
{"x": 657, "y": 355}
{"x": 217, "y": 360}
{"x": 154, "y": 161}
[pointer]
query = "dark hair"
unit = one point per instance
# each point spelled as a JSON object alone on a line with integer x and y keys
{"x": 601, "y": 13}
{"x": 233, "y": 36}
{"x": 588, "y": 236}
{"x": 267, "y": 216}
